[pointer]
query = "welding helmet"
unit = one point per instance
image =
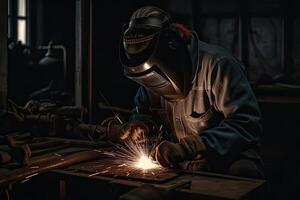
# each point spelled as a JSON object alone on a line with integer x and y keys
{"x": 154, "y": 54}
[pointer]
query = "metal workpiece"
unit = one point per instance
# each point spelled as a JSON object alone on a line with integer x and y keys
{"x": 177, "y": 184}
{"x": 111, "y": 168}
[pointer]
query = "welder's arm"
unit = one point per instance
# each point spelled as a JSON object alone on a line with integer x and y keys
{"x": 133, "y": 130}
{"x": 141, "y": 123}
{"x": 241, "y": 127}
{"x": 143, "y": 101}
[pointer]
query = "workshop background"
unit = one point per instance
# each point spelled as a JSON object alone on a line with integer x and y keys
{"x": 264, "y": 34}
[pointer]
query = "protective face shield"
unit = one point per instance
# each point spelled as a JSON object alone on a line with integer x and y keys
{"x": 154, "y": 55}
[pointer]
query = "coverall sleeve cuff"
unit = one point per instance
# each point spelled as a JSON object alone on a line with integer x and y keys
{"x": 192, "y": 145}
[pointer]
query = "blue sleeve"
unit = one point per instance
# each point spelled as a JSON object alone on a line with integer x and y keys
{"x": 142, "y": 99}
{"x": 143, "y": 103}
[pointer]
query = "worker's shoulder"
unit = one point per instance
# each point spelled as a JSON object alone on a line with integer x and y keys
{"x": 214, "y": 53}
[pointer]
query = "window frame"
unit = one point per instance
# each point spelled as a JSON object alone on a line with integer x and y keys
{"x": 13, "y": 19}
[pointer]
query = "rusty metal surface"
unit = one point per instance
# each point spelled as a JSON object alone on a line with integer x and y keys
{"x": 111, "y": 168}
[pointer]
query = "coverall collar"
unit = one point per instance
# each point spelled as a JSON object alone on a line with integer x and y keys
{"x": 193, "y": 48}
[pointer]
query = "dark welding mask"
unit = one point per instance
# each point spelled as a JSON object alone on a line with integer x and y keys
{"x": 154, "y": 55}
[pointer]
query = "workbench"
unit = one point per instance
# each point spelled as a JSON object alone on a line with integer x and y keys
{"x": 99, "y": 177}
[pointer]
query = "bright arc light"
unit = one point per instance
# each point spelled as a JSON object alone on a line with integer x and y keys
{"x": 136, "y": 154}
{"x": 144, "y": 162}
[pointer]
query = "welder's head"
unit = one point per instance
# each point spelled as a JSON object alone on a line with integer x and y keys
{"x": 154, "y": 53}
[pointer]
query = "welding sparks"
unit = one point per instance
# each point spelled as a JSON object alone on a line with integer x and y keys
{"x": 144, "y": 162}
{"x": 136, "y": 154}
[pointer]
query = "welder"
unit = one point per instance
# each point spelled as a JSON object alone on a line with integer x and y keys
{"x": 199, "y": 92}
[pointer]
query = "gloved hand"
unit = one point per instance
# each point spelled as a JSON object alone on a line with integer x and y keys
{"x": 170, "y": 154}
{"x": 134, "y": 130}
{"x": 197, "y": 164}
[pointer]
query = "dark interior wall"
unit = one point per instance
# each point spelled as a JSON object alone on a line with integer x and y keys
{"x": 260, "y": 33}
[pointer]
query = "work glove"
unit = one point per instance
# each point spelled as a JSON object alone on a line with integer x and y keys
{"x": 135, "y": 130}
{"x": 197, "y": 164}
{"x": 169, "y": 154}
